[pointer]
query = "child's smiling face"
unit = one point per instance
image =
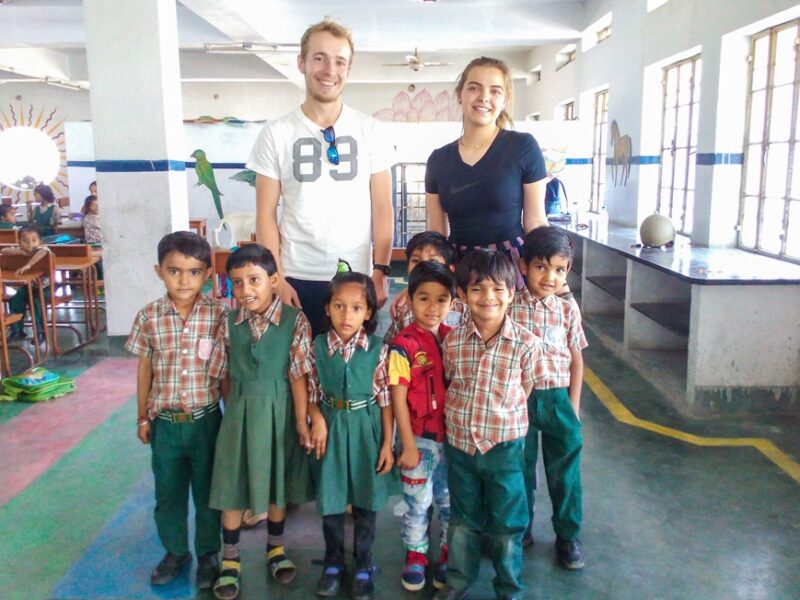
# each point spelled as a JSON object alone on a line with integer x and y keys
{"x": 253, "y": 288}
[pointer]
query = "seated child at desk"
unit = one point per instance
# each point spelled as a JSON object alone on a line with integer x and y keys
{"x": 91, "y": 227}
{"x": 47, "y": 215}
{"x": 91, "y": 220}
{"x": 30, "y": 244}
{"x": 8, "y": 217}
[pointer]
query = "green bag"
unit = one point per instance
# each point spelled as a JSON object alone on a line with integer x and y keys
{"x": 36, "y": 385}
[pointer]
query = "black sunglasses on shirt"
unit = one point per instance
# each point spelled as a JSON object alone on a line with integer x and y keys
{"x": 330, "y": 136}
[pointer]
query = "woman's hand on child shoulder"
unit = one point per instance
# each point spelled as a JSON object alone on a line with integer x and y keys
{"x": 385, "y": 460}
{"x": 409, "y": 458}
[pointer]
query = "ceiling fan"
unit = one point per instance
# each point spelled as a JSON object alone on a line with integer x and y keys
{"x": 415, "y": 62}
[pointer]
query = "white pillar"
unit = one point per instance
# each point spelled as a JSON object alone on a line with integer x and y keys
{"x": 132, "y": 54}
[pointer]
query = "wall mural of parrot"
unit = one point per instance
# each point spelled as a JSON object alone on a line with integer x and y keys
{"x": 247, "y": 176}
{"x": 205, "y": 176}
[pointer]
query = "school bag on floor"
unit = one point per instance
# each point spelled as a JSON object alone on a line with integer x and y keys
{"x": 36, "y": 385}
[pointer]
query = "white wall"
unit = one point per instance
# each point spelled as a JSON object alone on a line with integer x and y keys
{"x": 640, "y": 39}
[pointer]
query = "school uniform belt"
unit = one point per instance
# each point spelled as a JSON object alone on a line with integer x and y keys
{"x": 347, "y": 404}
{"x": 179, "y": 416}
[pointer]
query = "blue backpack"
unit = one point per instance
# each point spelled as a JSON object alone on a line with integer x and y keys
{"x": 555, "y": 198}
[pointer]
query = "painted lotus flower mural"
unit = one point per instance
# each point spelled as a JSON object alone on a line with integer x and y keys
{"x": 422, "y": 107}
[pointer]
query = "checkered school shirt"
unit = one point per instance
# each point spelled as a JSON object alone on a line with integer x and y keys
{"x": 458, "y": 313}
{"x": 380, "y": 383}
{"x": 300, "y": 361}
{"x": 181, "y": 352}
{"x": 487, "y": 401}
{"x": 557, "y": 322}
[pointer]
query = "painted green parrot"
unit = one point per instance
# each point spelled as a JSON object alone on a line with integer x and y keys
{"x": 246, "y": 175}
{"x": 205, "y": 176}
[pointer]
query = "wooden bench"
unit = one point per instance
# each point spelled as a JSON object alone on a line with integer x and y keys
{"x": 716, "y": 329}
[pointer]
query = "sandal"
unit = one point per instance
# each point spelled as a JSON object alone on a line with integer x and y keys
{"x": 281, "y": 567}
{"x": 227, "y": 586}
{"x": 251, "y": 520}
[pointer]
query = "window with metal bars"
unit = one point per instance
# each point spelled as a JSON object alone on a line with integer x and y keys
{"x": 568, "y": 111}
{"x": 603, "y": 34}
{"x": 409, "y": 201}
{"x": 679, "y": 122}
{"x": 769, "y": 214}
{"x": 599, "y": 151}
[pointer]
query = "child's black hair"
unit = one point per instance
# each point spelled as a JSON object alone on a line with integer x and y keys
{"x": 87, "y": 202}
{"x": 46, "y": 193}
{"x": 187, "y": 243}
{"x": 481, "y": 264}
{"x": 252, "y": 254}
{"x": 371, "y": 324}
{"x": 30, "y": 228}
{"x": 434, "y": 239}
{"x": 5, "y": 209}
{"x": 545, "y": 242}
{"x": 431, "y": 271}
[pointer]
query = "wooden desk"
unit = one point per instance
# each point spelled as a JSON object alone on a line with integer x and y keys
{"x": 200, "y": 225}
{"x": 81, "y": 258}
{"x": 28, "y": 279}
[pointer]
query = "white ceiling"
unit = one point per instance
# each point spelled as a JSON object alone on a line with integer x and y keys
{"x": 46, "y": 37}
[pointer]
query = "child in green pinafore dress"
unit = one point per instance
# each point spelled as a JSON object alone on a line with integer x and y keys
{"x": 47, "y": 215}
{"x": 349, "y": 385}
{"x": 260, "y": 461}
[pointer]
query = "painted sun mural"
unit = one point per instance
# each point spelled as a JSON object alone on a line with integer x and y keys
{"x": 46, "y": 121}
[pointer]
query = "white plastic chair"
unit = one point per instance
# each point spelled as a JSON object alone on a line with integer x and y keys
{"x": 240, "y": 226}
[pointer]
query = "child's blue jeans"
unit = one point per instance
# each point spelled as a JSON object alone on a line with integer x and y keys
{"x": 422, "y": 486}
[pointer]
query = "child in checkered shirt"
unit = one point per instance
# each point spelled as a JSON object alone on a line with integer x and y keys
{"x": 491, "y": 363}
{"x": 178, "y": 402}
{"x": 554, "y": 405}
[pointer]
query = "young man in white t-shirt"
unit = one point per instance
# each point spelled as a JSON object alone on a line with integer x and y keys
{"x": 331, "y": 167}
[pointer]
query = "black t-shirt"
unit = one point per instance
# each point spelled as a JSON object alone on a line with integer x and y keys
{"x": 483, "y": 202}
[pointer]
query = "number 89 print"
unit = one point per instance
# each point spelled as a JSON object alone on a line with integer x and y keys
{"x": 307, "y": 166}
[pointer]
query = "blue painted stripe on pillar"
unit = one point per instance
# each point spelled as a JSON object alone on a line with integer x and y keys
{"x": 138, "y": 166}
{"x": 720, "y": 158}
{"x": 186, "y": 165}
{"x": 190, "y": 165}
{"x": 638, "y": 160}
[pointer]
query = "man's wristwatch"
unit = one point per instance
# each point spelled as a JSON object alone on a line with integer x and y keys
{"x": 385, "y": 269}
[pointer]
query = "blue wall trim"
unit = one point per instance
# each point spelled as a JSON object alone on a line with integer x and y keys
{"x": 720, "y": 158}
{"x": 138, "y": 166}
{"x": 579, "y": 161}
{"x": 190, "y": 165}
{"x": 128, "y": 166}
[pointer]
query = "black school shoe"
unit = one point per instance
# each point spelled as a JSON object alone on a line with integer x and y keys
{"x": 169, "y": 568}
{"x": 362, "y": 587}
{"x": 207, "y": 571}
{"x": 570, "y": 553}
{"x": 330, "y": 582}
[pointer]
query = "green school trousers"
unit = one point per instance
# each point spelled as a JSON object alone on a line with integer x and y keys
{"x": 487, "y": 496}
{"x": 550, "y": 412}
{"x": 183, "y": 457}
